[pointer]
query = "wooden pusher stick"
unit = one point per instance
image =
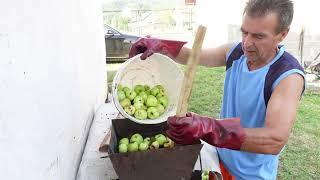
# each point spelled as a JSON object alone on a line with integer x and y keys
{"x": 192, "y": 64}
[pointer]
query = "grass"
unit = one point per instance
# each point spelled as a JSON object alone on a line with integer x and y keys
{"x": 301, "y": 156}
{"x": 206, "y": 96}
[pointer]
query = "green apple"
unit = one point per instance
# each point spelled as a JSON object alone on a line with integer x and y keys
{"x": 205, "y": 175}
{"x": 138, "y": 88}
{"x": 123, "y": 148}
{"x": 125, "y": 89}
{"x": 124, "y": 141}
{"x": 147, "y": 139}
{"x": 153, "y": 113}
{"x": 138, "y": 99}
{"x": 141, "y": 114}
{"x": 163, "y": 101}
{"x": 144, "y": 95}
{"x": 160, "y": 108}
{"x": 161, "y": 88}
{"x": 158, "y": 135}
{"x": 146, "y": 87}
{"x": 154, "y": 145}
{"x": 131, "y": 94}
{"x": 125, "y": 102}
{"x": 143, "y": 146}
{"x": 130, "y": 109}
{"x": 159, "y": 95}
{"x": 133, "y": 147}
{"x": 169, "y": 143}
{"x": 120, "y": 87}
{"x": 121, "y": 95}
{"x": 154, "y": 91}
{"x": 151, "y": 101}
{"x": 161, "y": 139}
{"x": 136, "y": 138}
{"x": 148, "y": 92}
{"x": 138, "y": 105}
{"x": 144, "y": 107}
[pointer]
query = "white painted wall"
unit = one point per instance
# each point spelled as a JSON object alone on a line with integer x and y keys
{"x": 52, "y": 77}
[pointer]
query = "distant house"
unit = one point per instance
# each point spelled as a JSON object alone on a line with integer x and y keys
{"x": 190, "y": 2}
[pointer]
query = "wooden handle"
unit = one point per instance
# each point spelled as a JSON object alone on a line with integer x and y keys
{"x": 193, "y": 61}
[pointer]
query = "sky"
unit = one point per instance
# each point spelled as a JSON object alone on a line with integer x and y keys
{"x": 307, "y": 14}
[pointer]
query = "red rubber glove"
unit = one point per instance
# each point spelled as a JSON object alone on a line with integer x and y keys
{"x": 226, "y": 133}
{"x": 212, "y": 176}
{"x": 148, "y": 46}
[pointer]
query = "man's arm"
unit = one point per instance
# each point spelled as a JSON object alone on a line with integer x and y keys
{"x": 280, "y": 117}
{"x": 212, "y": 57}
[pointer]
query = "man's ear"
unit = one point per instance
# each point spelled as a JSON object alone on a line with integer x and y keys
{"x": 283, "y": 35}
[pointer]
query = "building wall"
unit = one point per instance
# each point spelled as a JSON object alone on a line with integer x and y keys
{"x": 52, "y": 78}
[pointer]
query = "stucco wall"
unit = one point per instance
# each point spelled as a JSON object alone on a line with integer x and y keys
{"x": 52, "y": 78}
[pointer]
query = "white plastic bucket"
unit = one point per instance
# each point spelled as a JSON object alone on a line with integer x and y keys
{"x": 156, "y": 69}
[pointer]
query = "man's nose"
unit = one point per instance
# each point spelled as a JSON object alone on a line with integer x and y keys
{"x": 247, "y": 41}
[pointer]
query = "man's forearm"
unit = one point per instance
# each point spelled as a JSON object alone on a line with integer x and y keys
{"x": 210, "y": 57}
{"x": 183, "y": 55}
{"x": 263, "y": 140}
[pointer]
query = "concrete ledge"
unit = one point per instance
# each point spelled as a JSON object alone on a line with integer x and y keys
{"x": 93, "y": 167}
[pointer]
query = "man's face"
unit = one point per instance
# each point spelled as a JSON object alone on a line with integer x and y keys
{"x": 259, "y": 37}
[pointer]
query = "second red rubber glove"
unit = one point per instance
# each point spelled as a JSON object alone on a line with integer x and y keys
{"x": 226, "y": 133}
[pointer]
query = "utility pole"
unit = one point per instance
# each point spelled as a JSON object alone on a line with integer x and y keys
{"x": 140, "y": 14}
{"x": 191, "y": 4}
{"x": 301, "y": 44}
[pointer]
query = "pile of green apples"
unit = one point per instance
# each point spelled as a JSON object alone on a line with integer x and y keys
{"x": 143, "y": 102}
{"x": 138, "y": 143}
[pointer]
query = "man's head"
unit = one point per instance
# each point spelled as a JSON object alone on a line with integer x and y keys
{"x": 283, "y": 9}
{"x": 265, "y": 24}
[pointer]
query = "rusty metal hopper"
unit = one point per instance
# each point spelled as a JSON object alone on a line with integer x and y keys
{"x": 162, "y": 164}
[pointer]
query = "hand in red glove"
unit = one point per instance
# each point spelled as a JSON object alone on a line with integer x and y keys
{"x": 226, "y": 133}
{"x": 148, "y": 46}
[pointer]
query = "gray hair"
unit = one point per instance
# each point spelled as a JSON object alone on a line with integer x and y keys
{"x": 283, "y": 9}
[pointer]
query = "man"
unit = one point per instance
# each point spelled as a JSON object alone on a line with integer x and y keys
{"x": 262, "y": 89}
